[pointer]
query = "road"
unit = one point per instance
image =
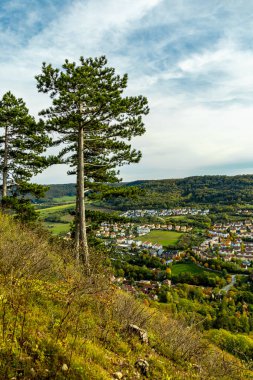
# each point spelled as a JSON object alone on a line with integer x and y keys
{"x": 227, "y": 287}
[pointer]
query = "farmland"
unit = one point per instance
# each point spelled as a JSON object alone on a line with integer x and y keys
{"x": 190, "y": 268}
{"x": 161, "y": 237}
{"x": 58, "y": 228}
{"x": 54, "y": 209}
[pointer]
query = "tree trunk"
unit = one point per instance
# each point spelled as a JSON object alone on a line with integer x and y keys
{"x": 5, "y": 163}
{"x": 77, "y": 224}
{"x": 83, "y": 244}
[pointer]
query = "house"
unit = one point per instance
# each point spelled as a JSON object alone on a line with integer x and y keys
{"x": 160, "y": 251}
{"x": 147, "y": 244}
{"x": 141, "y": 230}
{"x": 157, "y": 246}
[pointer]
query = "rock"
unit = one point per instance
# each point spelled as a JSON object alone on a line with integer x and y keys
{"x": 32, "y": 371}
{"x": 137, "y": 375}
{"x": 117, "y": 375}
{"x": 65, "y": 367}
{"x": 197, "y": 367}
{"x": 143, "y": 335}
{"x": 143, "y": 366}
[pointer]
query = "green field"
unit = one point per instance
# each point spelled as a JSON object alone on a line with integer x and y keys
{"x": 51, "y": 210}
{"x": 177, "y": 217}
{"x": 161, "y": 237}
{"x": 192, "y": 268}
{"x": 62, "y": 214}
{"x": 58, "y": 228}
{"x": 65, "y": 199}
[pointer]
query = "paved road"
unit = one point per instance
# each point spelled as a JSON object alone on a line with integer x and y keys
{"x": 227, "y": 287}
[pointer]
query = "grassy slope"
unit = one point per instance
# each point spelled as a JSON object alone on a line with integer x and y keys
{"x": 62, "y": 212}
{"x": 58, "y": 323}
{"x": 58, "y": 228}
{"x": 50, "y": 210}
{"x": 161, "y": 237}
{"x": 65, "y": 199}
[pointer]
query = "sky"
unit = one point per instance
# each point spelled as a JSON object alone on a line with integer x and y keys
{"x": 193, "y": 60}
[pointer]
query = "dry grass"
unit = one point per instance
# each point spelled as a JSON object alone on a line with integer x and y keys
{"x": 53, "y": 315}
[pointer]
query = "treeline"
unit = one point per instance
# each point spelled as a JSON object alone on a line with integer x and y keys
{"x": 157, "y": 194}
{"x": 58, "y": 191}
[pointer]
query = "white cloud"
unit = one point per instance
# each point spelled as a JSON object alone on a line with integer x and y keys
{"x": 194, "y": 66}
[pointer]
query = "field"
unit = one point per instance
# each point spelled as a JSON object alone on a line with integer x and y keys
{"x": 57, "y": 218}
{"x": 161, "y": 237}
{"x": 65, "y": 199}
{"x": 58, "y": 228}
{"x": 192, "y": 268}
{"x": 177, "y": 217}
{"x": 51, "y": 210}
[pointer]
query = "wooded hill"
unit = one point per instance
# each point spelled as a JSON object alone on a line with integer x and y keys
{"x": 167, "y": 193}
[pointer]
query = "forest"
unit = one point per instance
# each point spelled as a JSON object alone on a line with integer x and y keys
{"x": 206, "y": 190}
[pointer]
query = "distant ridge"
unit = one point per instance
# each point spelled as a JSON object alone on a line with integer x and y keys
{"x": 206, "y": 189}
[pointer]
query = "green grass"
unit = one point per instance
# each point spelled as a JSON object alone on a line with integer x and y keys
{"x": 192, "y": 268}
{"x": 65, "y": 199}
{"x": 58, "y": 228}
{"x": 186, "y": 267}
{"x": 177, "y": 217}
{"x": 67, "y": 218}
{"x": 161, "y": 237}
{"x": 50, "y": 210}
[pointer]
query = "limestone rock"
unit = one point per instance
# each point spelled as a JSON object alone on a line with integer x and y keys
{"x": 117, "y": 375}
{"x": 64, "y": 367}
{"x": 143, "y": 335}
{"x": 143, "y": 366}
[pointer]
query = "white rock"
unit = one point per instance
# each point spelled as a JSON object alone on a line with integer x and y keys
{"x": 65, "y": 367}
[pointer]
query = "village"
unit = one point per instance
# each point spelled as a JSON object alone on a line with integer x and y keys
{"x": 125, "y": 235}
{"x": 229, "y": 241}
{"x": 165, "y": 212}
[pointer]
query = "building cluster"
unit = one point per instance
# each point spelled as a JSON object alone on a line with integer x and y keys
{"x": 229, "y": 241}
{"x": 150, "y": 288}
{"x": 165, "y": 212}
{"x": 244, "y": 212}
{"x": 125, "y": 235}
{"x": 241, "y": 229}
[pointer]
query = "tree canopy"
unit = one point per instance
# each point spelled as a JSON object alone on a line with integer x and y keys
{"x": 94, "y": 121}
{"x": 22, "y": 144}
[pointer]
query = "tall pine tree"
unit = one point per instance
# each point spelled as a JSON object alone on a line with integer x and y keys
{"x": 95, "y": 122}
{"x": 22, "y": 144}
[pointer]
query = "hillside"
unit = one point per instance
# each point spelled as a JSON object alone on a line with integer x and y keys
{"x": 226, "y": 190}
{"x": 192, "y": 190}
{"x": 57, "y": 322}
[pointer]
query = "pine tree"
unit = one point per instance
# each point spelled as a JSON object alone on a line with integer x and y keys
{"x": 22, "y": 144}
{"x": 95, "y": 122}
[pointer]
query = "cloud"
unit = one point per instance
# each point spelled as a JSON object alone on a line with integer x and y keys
{"x": 193, "y": 60}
